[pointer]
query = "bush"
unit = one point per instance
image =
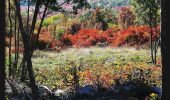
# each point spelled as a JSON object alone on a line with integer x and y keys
{"x": 59, "y": 34}
{"x": 135, "y": 35}
{"x": 52, "y": 20}
{"x": 44, "y": 41}
{"x": 132, "y": 36}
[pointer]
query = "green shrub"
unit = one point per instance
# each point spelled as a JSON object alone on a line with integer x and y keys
{"x": 52, "y": 19}
{"x": 59, "y": 34}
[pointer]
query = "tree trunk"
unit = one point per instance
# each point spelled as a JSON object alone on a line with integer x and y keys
{"x": 25, "y": 38}
{"x": 15, "y": 44}
{"x": 39, "y": 29}
{"x": 10, "y": 35}
{"x": 28, "y": 11}
{"x": 23, "y": 70}
{"x": 30, "y": 32}
{"x": 37, "y": 6}
{"x": 2, "y": 49}
{"x": 165, "y": 40}
{"x": 17, "y": 51}
{"x": 151, "y": 34}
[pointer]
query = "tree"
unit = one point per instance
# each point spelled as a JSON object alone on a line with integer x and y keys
{"x": 126, "y": 17}
{"x": 147, "y": 12}
{"x": 144, "y": 8}
{"x": 2, "y": 49}
{"x": 165, "y": 36}
{"x": 10, "y": 36}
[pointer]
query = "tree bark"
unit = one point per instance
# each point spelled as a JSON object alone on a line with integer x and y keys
{"x": 28, "y": 11}
{"x": 2, "y": 49}
{"x": 10, "y": 35}
{"x": 37, "y": 6}
{"x": 15, "y": 40}
{"x": 151, "y": 34}
{"x": 165, "y": 40}
{"x": 23, "y": 70}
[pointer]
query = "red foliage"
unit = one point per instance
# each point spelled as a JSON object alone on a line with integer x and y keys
{"x": 45, "y": 40}
{"x": 89, "y": 37}
{"x": 133, "y": 35}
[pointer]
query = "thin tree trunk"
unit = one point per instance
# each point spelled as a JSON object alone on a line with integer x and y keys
{"x": 28, "y": 16}
{"x": 18, "y": 44}
{"x": 151, "y": 34}
{"x": 37, "y": 6}
{"x": 2, "y": 49}
{"x": 23, "y": 66}
{"x": 18, "y": 73}
{"x": 23, "y": 70}
{"x": 155, "y": 51}
{"x": 155, "y": 38}
{"x": 39, "y": 29}
{"x": 15, "y": 40}
{"x": 25, "y": 38}
{"x": 10, "y": 34}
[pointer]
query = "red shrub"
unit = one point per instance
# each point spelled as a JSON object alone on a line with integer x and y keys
{"x": 44, "y": 41}
{"x": 133, "y": 35}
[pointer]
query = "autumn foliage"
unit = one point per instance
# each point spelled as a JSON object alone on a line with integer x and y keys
{"x": 85, "y": 37}
{"x": 126, "y": 17}
{"x": 133, "y": 35}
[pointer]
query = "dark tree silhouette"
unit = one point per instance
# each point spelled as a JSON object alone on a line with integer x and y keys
{"x": 2, "y": 50}
{"x": 10, "y": 36}
{"x": 165, "y": 39}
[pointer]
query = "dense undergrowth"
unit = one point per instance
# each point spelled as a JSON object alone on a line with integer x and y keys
{"x": 93, "y": 66}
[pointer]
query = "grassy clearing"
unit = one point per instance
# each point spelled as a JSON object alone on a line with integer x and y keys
{"x": 92, "y": 65}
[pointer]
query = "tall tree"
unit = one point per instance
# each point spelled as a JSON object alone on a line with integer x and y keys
{"x": 147, "y": 12}
{"x": 165, "y": 40}
{"x": 2, "y": 49}
{"x": 10, "y": 36}
{"x": 15, "y": 63}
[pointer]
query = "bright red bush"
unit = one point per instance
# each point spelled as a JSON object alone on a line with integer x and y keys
{"x": 133, "y": 35}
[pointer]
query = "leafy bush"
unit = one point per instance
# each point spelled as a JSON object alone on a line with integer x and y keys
{"x": 59, "y": 34}
{"x": 52, "y": 20}
{"x": 44, "y": 41}
{"x": 132, "y": 36}
{"x": 135, "y": 35}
